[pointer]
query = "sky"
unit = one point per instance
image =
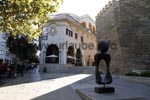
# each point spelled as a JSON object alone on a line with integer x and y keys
{"x": 82, "y": 7}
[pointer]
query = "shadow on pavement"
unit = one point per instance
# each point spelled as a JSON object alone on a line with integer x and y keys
{"x": 64, "y": 93}
{"x": 68, "y": 92}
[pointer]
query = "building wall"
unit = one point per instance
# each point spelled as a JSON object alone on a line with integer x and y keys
{"x": 89, "y": 53}
{"x": 125, "y": 23}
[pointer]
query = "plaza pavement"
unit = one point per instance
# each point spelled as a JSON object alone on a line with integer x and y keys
{"x": 63, "y": 86}
{"x": 35, "y": 86}
{"x": 124, "y": 89}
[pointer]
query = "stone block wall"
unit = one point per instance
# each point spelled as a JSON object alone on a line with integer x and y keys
{"x": 107, "y": 30}
{"x": 126, "y": 24}
{"x": 134, "y": 33}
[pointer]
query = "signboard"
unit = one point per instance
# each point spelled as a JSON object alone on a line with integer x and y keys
{"x": 45, "y": 33}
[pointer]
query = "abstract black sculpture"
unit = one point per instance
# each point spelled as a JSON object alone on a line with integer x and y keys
{"x": 103, "y": 46}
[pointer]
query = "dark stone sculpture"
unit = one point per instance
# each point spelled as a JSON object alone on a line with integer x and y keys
{"x": 103, "y": 46}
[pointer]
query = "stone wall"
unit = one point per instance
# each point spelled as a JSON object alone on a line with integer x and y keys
{"x": 125, "y": 24}
{"x": 134, "y": 33}
{"x": 107, "y": 30}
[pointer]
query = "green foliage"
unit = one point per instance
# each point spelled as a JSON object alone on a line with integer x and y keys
{"x": 145, "y": 73}
{"x": 132, "y": 74}
{"x": 26, "y": 16}
{"x": 21, "y": 48}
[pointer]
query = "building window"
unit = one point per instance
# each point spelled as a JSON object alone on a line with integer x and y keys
{"x": 76, "y": 36}
{"x": 4, "y": 36}
{"x": 83, "y": 24}
{"x": 90, "y": 27}
{"x": 71, "y": 34}
{"x": 67, "y": 31}
{"x": 45, "y": 33}
{"x": 81, "y": 39}
{"x": 94, "y": 30}
{"x": 6, "y": 53}
{"x": 1, "y": 52}
{"x": 3, "y": 43}
{"x": 44, "y": 37}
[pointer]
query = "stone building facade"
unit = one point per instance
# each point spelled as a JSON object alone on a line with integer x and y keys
{"x": 66, "y": 39}
{"x": 5, "y": 56}
{"x": 126, "y": 24}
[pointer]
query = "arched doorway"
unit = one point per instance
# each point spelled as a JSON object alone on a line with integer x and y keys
{"x": 52, "y": 54}
{"x": 70, "y": 55}
{"x": 78, "y": 57}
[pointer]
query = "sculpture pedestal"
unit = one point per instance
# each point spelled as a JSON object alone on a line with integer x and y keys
{"x": 104, "y": 89}
{"x": 121, "y": 93}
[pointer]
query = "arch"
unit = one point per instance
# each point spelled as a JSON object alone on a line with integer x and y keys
{"x": 70, "y": 55}
{"x": 70, "y": 51}
{"x": 94, "y": 30}
{"x": 79, "y": 57}
{"x": 90, "y": 27}
{"x": 52, "y": 54}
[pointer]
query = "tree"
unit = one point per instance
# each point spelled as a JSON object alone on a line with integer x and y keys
{"x": 26, "y": 16}
{"x": 21, "y": 48}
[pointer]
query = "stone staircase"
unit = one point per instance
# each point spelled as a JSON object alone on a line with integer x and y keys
{"x": 58, "y": 68}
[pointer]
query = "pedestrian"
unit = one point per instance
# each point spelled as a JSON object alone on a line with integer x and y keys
{"x": 22, "y": 69}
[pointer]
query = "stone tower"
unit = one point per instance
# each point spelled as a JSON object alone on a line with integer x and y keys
{"x": 126, "y": 24}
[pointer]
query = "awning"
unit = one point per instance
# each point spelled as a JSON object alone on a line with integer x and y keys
{"x": 71, "y": 57}
{"x": 52, "y": 56}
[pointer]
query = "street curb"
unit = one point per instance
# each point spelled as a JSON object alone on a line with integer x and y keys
{"x": 82, "y": 95}
{"x": 88, "y": 96}
{"x": 142, "y": 80}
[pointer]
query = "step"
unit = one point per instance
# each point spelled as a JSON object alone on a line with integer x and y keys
{"x": 89, "y": 94}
